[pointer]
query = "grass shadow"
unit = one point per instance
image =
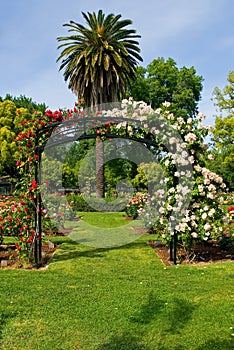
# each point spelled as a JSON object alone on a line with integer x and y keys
{"x": 217, "y": 344}
{"x": 176, "y": 313}
{"x": 71, "y": 251}
{"x": 149, "y": 311}
{"x": 4, "y": 318}
{"x": 124, "y": 342}
{"x": 179, "y": 313}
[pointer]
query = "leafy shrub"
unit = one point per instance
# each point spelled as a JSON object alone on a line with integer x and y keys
{"x": 136, "y": 203}
{"x": 226, "y": 241}
{"x": 78, "y": 203}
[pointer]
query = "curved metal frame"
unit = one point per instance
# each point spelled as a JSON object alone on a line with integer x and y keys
{"x": 39, "y": 150}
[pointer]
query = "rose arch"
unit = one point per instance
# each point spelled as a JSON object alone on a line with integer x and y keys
{"x": 184, "y": 203}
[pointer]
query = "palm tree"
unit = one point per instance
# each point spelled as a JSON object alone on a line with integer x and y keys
{"x": 98, "y": 62}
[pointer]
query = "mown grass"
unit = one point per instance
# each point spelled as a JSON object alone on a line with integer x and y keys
{"x": 103, "y": 229}
{"x": 121, "y": 298}
{"x": 100, "y": 219}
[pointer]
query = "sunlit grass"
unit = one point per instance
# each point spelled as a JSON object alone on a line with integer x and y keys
{"x": 121, "y": 298}
{"x": 106, "y": 219}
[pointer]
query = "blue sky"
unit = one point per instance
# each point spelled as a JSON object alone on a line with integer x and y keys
{"x": 194, "y": 33}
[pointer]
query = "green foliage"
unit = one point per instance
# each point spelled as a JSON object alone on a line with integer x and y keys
{"x": 106, "y": 63}
{"x": 223, "y": 133}
{"x": 224, "y": 99}
{"x": 117, "y": 169}
{"x": 8, "y": 150}
{"x": 12, "y": 121}
{"x": 148, "y": 173}
{"x": 80, "y": 203}
{"x": 163, "y": 81}
{"x": 139, "y": 88}
{"x": 25, "y": 102}
{"x": 77, "y": 203}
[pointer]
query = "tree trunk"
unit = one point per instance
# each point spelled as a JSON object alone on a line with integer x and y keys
{"x": 100, "y": 191}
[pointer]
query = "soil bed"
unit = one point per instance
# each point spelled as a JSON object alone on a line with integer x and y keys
{"x": 200, "y": 253}
{"x": 10, "y": 257}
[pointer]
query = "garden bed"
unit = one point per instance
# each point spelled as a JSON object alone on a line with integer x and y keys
{"x": 207, "y": 252}
{"x": 10, "y": 257}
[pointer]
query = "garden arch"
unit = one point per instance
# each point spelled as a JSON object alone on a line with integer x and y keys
{"x": 80, "y": 128}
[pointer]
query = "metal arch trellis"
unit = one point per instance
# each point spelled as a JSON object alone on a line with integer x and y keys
{"x": 68, "y": 134}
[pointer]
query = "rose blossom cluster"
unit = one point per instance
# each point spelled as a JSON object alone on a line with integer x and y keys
{"x": 202, "y": 217}
{"x": 187, "y": 189}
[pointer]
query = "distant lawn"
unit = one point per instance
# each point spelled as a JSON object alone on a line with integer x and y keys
{"x": 103, "y": 229}
{"x": 100, "y": 219}
{"x": 122, "y": 298}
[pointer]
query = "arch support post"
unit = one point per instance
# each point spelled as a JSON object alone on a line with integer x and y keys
{"x": 38, "y": 208}
{"x": 173, "y": 248}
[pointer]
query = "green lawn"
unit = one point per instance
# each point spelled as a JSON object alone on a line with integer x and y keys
{"x": 104, "y": 219}
{"x": 117, "y": 299}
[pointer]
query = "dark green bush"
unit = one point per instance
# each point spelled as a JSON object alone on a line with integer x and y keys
{"x": 78, "y": 203}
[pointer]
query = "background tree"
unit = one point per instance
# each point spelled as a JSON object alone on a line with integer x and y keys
{"x": 139, "y": 89}
{"x": 23, "y": 101}
{"x": 148, "y": 174}
{"x": 12, "y": 122}
{"x": 223, "y": 133}
{"x": 163, "y": 81}
{"x": 98, "y": 62}
{"x": 8, "y": 131}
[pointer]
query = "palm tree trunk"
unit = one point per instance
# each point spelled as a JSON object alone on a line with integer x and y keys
{"x": 100, "y": 191}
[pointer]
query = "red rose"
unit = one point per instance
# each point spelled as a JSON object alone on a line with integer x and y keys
{"x": 17, "y": 246}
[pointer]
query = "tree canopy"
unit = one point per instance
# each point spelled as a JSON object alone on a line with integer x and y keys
{"x": 223, "y": 132}
{"x": 23, "y": 101}
{"x": 163, "y": 81}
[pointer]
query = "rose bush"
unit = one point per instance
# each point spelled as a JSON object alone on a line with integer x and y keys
{"x": 188, "y": 199}
{"x": 135, "y": 204}
{"x": 181, "y": 142}
{"x": 17, "y": 215}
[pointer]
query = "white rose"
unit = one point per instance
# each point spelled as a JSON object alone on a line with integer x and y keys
{"x": 161, "y": 210}
{"x": 210, "y": 157}
{"x": 206, "y": 182}
{"x": 166, "y": 104}
{"x": 200, "y": 188}
{"x": 204, "y": 216}
{"x": 194, "y": 234}
{"x": 200, "y": 116}
{"x": 207, "y": 227}
{"x": 211, "y": 212}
